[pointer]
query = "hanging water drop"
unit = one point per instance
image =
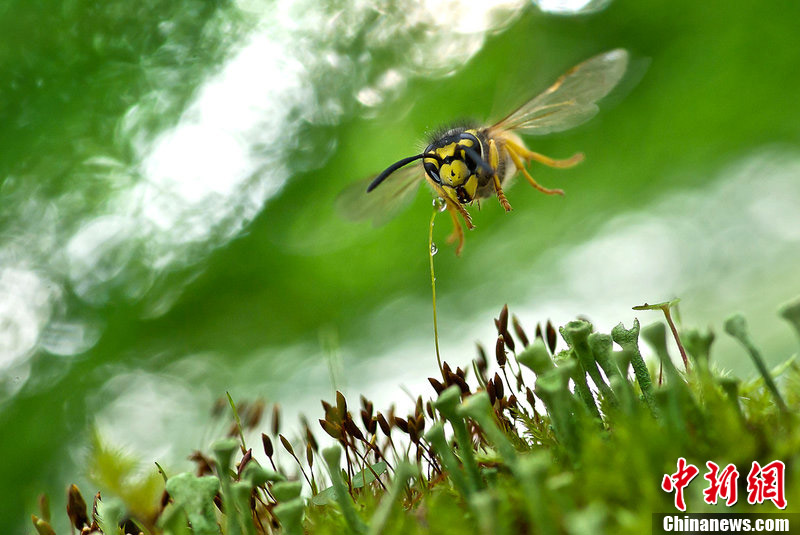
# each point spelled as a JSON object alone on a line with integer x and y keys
{"x": 434, "y": 249}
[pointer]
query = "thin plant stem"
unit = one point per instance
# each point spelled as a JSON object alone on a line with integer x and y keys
{"x": 433, "y": 293}
{"x": 675, "y": 335}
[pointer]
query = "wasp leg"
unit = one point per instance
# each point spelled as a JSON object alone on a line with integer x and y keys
{"x": 494, "y": 162}
{"x": 566, "y": 163}
{"x": 522, "y": 151}
{"x": 463, "y": 211}
{"x": 455, "y": 209}
{"x": 511, "y": 149}
{"x": 458, "y": 232}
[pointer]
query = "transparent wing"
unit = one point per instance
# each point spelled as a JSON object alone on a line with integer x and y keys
{"x": 384, "y": 202}
{"x": 571, "y": 100}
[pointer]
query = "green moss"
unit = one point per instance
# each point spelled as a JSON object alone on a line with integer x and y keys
{"x": 484, "y": 457}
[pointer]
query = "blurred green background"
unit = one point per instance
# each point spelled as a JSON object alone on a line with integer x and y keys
{"x": 169, "y": 169}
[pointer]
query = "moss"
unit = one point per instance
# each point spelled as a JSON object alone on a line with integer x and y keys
{"x": 483, "y": 457}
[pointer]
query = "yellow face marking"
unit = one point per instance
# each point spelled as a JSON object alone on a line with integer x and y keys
{"x": 446, "y": 151}
{"x": 454, "y": 173}
{"x": 471, "y": 186}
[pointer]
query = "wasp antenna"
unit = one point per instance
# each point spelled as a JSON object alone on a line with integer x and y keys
{"x": 391, "y": 169}
{"x": 475, "y": 157}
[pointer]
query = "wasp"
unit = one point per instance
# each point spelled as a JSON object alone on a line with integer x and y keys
{"x": 469, "y": 162}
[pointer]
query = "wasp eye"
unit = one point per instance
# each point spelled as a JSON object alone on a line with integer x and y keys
{"x": 433, "y": 172}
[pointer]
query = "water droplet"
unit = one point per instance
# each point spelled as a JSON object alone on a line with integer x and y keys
{"x": 434, "y": 249}
{"x": 439, "y": 204}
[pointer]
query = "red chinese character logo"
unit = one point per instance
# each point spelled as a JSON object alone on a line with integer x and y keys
{"x": 678, "y": 481}
{"x": 766, "y": 483}
{"x": 722, "y": 486}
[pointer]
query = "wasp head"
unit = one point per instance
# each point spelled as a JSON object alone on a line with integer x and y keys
{"x": 454, "y": 162}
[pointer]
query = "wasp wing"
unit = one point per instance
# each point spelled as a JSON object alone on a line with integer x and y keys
{"x": 571, "y": 100}
{"x": 384, "y": 202}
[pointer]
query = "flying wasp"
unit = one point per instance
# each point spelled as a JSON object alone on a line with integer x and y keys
{"x": 469, "y": 162}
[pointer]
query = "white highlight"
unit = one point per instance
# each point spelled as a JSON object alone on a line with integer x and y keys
{"x": 571, "y": 7}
